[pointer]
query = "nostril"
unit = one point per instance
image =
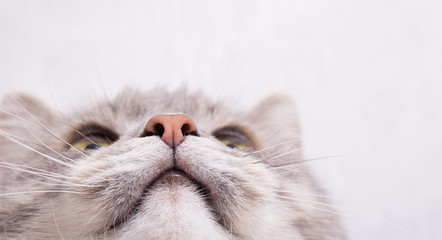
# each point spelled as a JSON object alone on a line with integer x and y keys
{"x": 155, "y": 130}
{"x": 147, "y": 134}
{"x": 159, "y": 129}
{"x": 186, "y": 129}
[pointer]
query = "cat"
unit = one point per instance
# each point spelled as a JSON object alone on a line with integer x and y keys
{"x": 158, "y": 164}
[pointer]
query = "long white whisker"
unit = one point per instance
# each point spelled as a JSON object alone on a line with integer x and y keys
{"x": 348, "y": 216}
{"x": 22, "y": 169}
{"x": 6, "y": 233}
{"x": 45, "y": 145}
{"x": 273, "y": 134}
{"x": 40, "y": 125}
{"x": 277, "y": 152}
{"x": 298, "y": 163}
{"x": 42, "y": 171}
{"x": 306, "y": 205}
{"x": 102, "y": 208}
{"x": 271, "y": 147}
{"x": 55, "y": 220}
{"x": 37, "y": 126}
{"x": 38, "y": 191}
{"x": 47, "y": 176}
{"x": 308, "y": 194}
{"x": 67, "y": 121}
{"x": 42, "y": 154}
{"x": 42, "y": 144}
{"x": 284, "y": 154}
{"x": 9, "y": 137}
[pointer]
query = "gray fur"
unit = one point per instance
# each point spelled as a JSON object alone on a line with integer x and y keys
{"x": 69, "y": 195}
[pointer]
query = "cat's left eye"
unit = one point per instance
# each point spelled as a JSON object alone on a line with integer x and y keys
{"x": 233, "y": 138}
{"x": 234, "y": 145}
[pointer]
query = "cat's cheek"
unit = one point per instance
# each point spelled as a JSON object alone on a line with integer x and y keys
{"x": 174, "y": 210}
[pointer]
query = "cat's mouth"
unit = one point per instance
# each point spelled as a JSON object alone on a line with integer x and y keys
{"x": 177, "y": 176}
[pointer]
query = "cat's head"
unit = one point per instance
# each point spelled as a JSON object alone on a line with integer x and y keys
{"x": 157, "y": 165}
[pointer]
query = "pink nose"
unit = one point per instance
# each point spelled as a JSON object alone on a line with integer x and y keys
{"x": 171, "y": 128}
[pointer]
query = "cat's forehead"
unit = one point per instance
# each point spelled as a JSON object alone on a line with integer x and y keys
{"x": 133, "y": 108}
{"x": 133, "y": 102}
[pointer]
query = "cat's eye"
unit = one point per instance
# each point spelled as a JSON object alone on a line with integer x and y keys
{"x": 234, "y": 145}
{"x": 91, "y": 138}
{"x": 233, "y": 138}
{"x": 88, "y": 145}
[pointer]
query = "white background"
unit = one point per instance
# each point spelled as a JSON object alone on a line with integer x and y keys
{"x": 367, "y": 76}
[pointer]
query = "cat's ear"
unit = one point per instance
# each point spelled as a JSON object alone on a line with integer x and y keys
{"x": 275, "y": 121}
{"x": 25, "y": 122}
{"x": 25, "y": 107}
{"x": 25, "y": 117}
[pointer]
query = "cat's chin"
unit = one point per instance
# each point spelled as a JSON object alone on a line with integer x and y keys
{"x": 174, "y": 208}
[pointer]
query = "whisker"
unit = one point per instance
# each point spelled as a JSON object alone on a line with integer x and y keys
{"x": 38, "y": 191}
{"x": 308, "y": 194}
{"x": 305, "y": 161}
{"x": 348, "y": 216}
{"x": 344, "y": 207}
{"x": 40, "y": 124}
{"x": 284, "y": 154}
{"x": 36, "y": 171}
{"x": 306, "y": 205}
{"x": 278, "y": 152}
{"x": 6, "y": 233}
{"x": 67, "y": 121}
{"x": 55, "y": 220}
{"x": 271, "y": 147}
{"x": 51, "y": 149}
{"x": 10, "y": 137}
{"x": 43, "y": 144}
{"x": 47, "y": 176}
{"x": 22, "y": 139}
{"x": 314, "y": 202}
{"x": 43, "y": 154}
{"x": 273, "y": 134}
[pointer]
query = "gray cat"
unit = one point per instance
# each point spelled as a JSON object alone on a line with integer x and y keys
{"x": 157, "y": 165}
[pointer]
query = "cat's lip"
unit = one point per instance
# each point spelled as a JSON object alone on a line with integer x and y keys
{"x": 176, "y": 175}
{"x": 173, "y": 176}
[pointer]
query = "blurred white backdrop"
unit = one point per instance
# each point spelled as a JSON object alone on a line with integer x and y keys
{"x": 367, "y": 76}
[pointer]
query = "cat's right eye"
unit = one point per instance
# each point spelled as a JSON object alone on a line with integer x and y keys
{"x": 91, "y": 138}
{"x": 88, "y": 145}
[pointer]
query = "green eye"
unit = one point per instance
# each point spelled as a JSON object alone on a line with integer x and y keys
{"x": 234, "y": 145}
{"x": 233, "y": 138}
{"x": 88, "y": 145}
{"x": 91, "y": 137}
